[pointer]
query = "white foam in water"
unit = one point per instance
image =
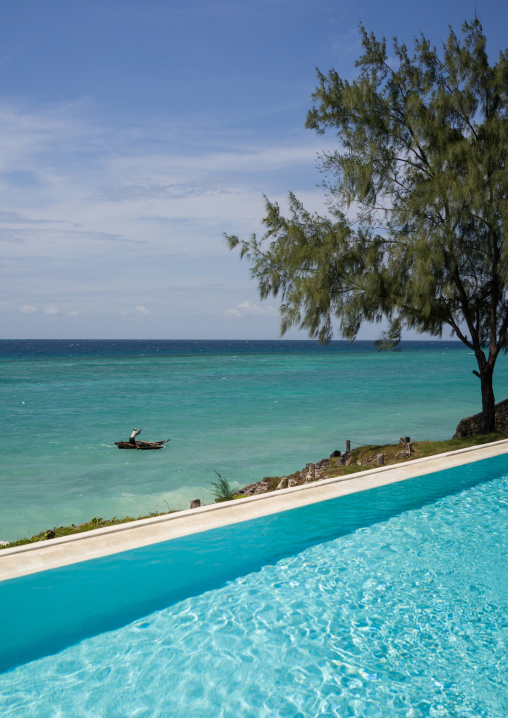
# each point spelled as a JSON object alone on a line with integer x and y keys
{"x": 404, "y": 618}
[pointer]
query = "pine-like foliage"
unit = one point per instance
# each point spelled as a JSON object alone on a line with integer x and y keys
{"x": 417, "y": 191}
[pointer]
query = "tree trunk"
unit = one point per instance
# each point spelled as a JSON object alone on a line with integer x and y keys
{"x": 488, "y": 401}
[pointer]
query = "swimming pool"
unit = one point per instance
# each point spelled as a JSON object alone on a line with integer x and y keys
{"x": 389, "y": 602}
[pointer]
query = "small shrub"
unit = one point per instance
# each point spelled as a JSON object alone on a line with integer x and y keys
{"x": 221, "y": 490}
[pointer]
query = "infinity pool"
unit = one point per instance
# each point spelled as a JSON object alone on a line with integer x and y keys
{"x": 390, "y": 602}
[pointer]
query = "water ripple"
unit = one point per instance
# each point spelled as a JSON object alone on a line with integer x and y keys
{"x": 405, "y": 618}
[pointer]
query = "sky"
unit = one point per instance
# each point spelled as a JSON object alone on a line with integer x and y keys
{"x": 134, "y": 133}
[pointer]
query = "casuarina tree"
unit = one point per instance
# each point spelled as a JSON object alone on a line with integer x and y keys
{"x": 417, "y": 192}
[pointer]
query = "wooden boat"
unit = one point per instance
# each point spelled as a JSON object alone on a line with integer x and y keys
{"x": 143, "y": 445}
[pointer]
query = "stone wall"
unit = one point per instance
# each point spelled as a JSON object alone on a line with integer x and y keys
{"x": 471, "y": 424}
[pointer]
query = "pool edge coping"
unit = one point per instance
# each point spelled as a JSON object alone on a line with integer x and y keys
{"x": 41, "y": 552}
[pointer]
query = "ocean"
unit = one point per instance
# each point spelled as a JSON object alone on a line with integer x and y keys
{"x": 246, "y": 409}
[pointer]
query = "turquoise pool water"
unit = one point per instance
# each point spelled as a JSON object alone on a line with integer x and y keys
{"x": 390, "y": 602}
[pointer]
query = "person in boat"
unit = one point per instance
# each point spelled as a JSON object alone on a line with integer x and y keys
{"x": 135, "y": 432}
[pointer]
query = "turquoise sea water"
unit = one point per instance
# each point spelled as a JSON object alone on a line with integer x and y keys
{"x": 245, "y": 409}
{"x": 392, "y": 603}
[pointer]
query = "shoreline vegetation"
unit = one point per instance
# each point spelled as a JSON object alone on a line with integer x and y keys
{"x": 358, "y": 459}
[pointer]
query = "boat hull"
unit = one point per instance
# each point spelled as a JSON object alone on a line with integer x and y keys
{"x": 141, "y": 445}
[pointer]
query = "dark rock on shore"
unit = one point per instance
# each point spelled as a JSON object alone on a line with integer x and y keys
{"x": 311, "y": 472}
{"x": 345, "y": 459}
{"x": 471, "y": 424}
{"x": 259, "y": 487}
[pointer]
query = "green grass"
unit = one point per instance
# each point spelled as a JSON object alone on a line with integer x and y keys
{"x": 420, "y": 449}
{"x": 95, "y": 523}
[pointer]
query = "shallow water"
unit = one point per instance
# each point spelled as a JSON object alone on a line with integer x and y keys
{"x": 402, "y": 618}
{"x": 245, "y": 409}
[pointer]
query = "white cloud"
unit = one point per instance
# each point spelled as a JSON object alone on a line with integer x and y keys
{"x": 94, "y": 215}
{"x": 138, "y": 312}
{"x": 28, "y": 309}
{"x": 246, "y": 309}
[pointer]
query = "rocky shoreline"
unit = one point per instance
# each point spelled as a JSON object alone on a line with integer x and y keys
{"x": 322, "y": 469}
{"x": 337, "y": 464}
{"x": 364, "y": 456}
